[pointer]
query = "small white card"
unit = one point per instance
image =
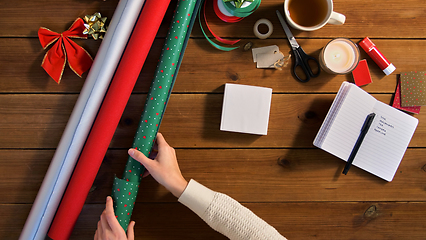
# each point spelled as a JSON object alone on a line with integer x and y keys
{"x": 260, "y": 50}
{"x": 266, "y": 57}
{"x": 246, "y": 109}
{"x": 268, "y": 60}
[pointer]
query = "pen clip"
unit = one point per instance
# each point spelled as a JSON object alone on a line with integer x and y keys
{"x": 367, "y": 122}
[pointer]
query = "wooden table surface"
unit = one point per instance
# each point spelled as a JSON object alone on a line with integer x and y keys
{"x": 282, "y": 177}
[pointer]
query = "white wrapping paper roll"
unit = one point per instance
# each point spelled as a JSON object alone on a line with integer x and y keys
{"x": 81, "y": 120}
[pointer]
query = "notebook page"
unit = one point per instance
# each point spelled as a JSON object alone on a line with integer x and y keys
{"x": 329, "y": 119}
{"x": 347, "y": 124}
{"x": 386, "y": 141}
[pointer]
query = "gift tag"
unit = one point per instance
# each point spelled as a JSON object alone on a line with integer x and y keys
{"x": 261, "y": 50}
{"x": 267, "y": 60}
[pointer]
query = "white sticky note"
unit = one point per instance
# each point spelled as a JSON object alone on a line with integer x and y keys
{"x": 246, "y": 109}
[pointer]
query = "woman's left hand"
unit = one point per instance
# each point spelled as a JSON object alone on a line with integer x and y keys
{"x": 109, "y": 228}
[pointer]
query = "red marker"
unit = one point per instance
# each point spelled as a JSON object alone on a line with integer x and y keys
{"x": 377, "y": 56}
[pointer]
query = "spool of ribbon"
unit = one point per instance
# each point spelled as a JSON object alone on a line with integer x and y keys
{"x": 223, "y": 14}
{"x": 240, "y": 8}
{"x": 226, "y": 49}
{"x": 64, "y": 49}
{"x": 125, "y": 190}
{"x": 230, "y": 42}
{"x": 230, "y": 11}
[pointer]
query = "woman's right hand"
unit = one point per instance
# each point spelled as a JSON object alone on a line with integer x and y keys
{"x": 164, "y": 168}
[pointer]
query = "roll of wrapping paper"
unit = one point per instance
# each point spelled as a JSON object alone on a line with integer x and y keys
{"x": 81, "y": 120}
{"x": 125, "y": 190}
{"x": 108, "y": 117}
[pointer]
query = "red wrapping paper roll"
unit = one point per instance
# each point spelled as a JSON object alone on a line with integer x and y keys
{"x": 108, "y": 118}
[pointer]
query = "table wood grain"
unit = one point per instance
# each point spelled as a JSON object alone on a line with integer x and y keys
{"x": 282, "y": 177}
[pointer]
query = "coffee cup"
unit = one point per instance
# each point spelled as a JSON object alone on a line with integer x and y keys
{"x": 311, "y": 15}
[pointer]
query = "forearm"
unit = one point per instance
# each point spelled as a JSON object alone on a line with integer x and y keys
{"x": 226, "y": 215}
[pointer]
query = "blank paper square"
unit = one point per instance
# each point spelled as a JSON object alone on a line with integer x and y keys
{"x": 246, "y": 109}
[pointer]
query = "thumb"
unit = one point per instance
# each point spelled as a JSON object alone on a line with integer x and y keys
{"x": 140, "y": 157}
{"x": 130, "y": 231}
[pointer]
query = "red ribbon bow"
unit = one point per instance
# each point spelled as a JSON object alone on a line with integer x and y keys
{"x": 54, "y": 61}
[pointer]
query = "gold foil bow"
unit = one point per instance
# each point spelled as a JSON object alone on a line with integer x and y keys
{"x": 95, "y": 25}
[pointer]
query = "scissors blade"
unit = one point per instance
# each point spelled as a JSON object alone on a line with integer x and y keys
{"x": 287, "y": 31}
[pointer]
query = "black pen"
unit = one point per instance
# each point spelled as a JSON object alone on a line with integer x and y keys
{"x": 364, "y": 130}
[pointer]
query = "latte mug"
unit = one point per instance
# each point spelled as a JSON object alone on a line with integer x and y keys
{"x": 311, "y": 15}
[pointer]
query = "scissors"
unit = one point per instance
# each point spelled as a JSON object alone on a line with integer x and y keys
{"x": 301, "y": 58}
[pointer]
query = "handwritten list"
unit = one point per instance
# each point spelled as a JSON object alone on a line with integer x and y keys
{"x": 386, "y": 141}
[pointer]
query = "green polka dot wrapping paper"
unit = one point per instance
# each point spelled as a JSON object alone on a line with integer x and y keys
{"x": 126, "y": 189}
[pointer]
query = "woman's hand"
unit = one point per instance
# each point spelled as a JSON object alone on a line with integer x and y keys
{"x": 109, "y": 228}
{"x": 164, "y": 167}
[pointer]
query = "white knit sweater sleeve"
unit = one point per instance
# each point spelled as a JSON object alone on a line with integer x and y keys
{"x": 226, "y": 215}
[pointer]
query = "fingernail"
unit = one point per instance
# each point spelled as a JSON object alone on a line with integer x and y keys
{"x": 131, "y": 151}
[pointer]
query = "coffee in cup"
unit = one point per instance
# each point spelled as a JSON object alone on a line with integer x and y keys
{"x": 310, "y": 15}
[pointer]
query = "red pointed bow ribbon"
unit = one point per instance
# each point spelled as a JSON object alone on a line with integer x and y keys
{"x": 64, "y": 48}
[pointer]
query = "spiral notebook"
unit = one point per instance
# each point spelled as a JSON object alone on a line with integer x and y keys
{"x": 386, "y": 141}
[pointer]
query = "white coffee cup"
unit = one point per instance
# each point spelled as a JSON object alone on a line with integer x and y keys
{"x": 330, "y": 16}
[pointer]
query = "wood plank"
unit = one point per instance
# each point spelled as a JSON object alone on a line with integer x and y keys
{"x": 292, "y": 125}
{"x": 248, "y": 175}
{"x": 23, "y": 19}
{"x": 327, "y": 220}
{"x": 200, "y": 73}
{"x": 363, "y": 18}
{"x": 32, "y": 117}
{"x": 201, "y": 62}
{"x": 28, "y": 76}
{"x": 38, "y": 120}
